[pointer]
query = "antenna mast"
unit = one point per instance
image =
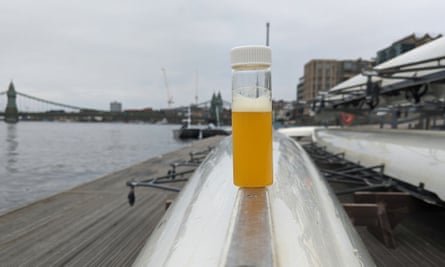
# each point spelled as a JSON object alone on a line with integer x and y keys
{"x": 267, "y": 33}
{"x": 169, "y": 97}
{"x": 196, "y": 87}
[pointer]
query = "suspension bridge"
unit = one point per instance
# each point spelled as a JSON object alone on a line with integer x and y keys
{"x": 27, "y": 107}
{"x": 16, "y": 105}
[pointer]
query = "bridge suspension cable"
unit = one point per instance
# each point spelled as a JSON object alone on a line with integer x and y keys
{"x": 55, "y": 103}
{"x": 226, "y": 104}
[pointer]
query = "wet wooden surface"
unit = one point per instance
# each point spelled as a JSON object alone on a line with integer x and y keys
{"x": 420, "y": 240}
{"x": 92, "y": 224}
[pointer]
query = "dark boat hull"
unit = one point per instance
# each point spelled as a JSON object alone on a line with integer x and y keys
{"x": 212, "y": 132}
{"x": 187, "y": 133}
{"x": 196, "y": 133}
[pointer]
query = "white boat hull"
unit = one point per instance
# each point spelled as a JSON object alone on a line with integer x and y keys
{"x": 414, "y": 157}
{"x": 297, "y": 221}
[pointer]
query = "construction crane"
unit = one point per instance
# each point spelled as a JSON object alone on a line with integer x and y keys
{"x": 169, "y": 97}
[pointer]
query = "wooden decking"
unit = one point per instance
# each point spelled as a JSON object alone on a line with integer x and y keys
{"x": 93, "y": 224}
{"x": 420, "y": 240}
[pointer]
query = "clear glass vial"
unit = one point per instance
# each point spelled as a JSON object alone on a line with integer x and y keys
{"x": 252, "y": 116}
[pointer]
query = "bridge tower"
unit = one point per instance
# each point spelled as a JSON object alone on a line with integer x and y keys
{"x": 11, "y": 112}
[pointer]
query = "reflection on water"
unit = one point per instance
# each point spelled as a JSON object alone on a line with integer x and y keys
{"x": 38, "y": 159}
{"x": 11, "y": 148}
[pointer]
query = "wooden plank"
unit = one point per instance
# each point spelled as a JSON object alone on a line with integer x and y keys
{"x": 374, "y": 217}
{"x": 92, "y": 224}
{"x": 397, "y": 204}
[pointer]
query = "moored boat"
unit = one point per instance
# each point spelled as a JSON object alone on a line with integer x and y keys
{"x": 189, "y": 131}
{"x": 198, "y": 132}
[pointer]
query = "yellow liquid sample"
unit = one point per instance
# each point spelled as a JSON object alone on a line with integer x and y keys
{"x": 252, "y": 148}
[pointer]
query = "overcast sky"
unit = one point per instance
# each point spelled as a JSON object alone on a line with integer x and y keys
{"x": 90, "y": 53}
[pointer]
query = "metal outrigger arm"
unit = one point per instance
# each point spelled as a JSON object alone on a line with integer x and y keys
{"x": 173, "y": 176}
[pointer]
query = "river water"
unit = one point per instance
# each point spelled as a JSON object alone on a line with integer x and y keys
{"x": 38, "y": 159}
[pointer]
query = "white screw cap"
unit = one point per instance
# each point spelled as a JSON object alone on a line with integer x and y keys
{"x": 252, "y": 56}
